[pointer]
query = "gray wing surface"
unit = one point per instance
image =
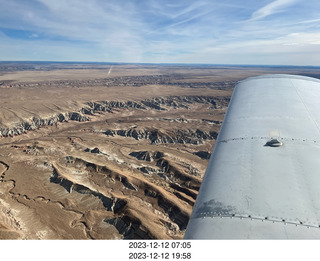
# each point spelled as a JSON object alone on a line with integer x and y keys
{"x": 253, "y": 189}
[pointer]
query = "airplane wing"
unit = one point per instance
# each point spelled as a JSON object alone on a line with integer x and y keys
{"x": 263, "y": 178}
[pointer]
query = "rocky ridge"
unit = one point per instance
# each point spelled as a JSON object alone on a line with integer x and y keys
{"x": 136, "y": 81}
{"x": 127, "y": 223}
{"x": 155, "y": 136}
{"x": 35, "y": 123}
{"x": 158, "y": 103}
{"x": 147, "y": 155}
{"x": 91, "y": 108}
{"x": 203, "y": 154}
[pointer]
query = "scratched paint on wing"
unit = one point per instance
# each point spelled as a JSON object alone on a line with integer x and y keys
{"x": 214, "y": 208}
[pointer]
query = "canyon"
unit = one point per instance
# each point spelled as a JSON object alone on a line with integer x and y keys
{"x": 90, "y": 153}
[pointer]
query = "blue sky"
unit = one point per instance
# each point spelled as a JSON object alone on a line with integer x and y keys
{"x": 275, "y": 32}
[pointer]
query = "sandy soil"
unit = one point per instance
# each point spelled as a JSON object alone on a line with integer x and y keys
{"x": 88, "y": 154}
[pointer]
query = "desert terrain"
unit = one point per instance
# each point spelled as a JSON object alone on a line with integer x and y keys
{"x": 109, "y": 151}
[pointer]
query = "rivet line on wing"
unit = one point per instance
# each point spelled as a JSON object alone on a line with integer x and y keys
{"x": 262, "y": 219}
{"x": 267, "y": 138}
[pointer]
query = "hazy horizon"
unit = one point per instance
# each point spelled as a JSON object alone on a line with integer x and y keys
{"x": 160, "y": 64}
{"x": 267, "y": 32}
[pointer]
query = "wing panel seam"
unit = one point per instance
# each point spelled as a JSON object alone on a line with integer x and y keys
{"x": 263, "y": 219}
{"x": 267, "y": 138}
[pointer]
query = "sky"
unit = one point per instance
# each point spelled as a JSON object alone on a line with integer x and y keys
{"x": 264, "y": 32}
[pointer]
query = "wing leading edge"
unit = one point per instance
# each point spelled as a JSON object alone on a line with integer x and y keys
{"x": 253, "y": 189}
